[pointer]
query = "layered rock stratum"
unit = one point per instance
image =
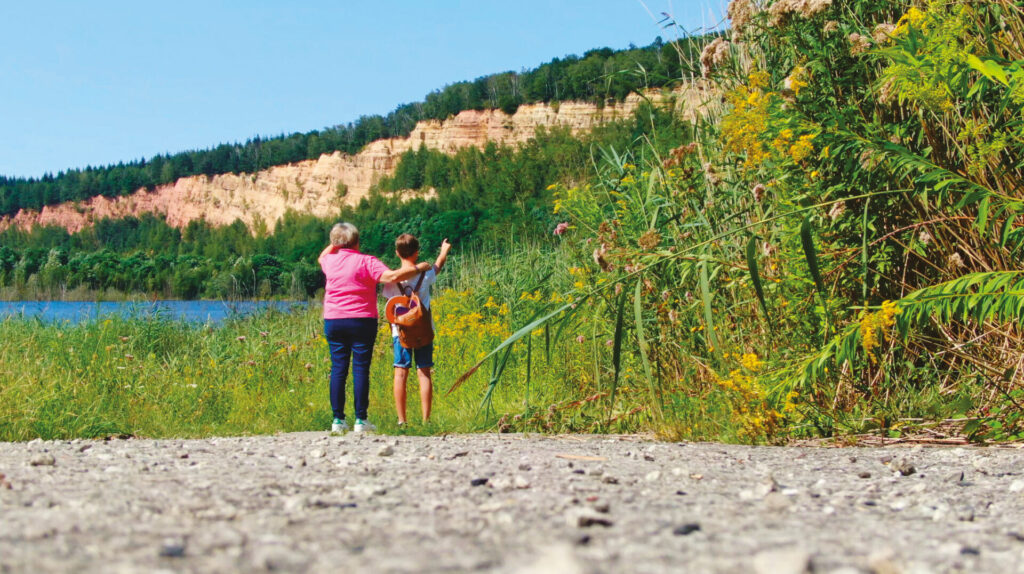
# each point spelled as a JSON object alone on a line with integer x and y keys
{"x": 313, "y": 186}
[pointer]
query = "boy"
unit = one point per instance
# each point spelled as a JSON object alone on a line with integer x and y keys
{"x": 407, "y": 247}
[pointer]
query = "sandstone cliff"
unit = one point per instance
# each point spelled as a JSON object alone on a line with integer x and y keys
{"x": 312, "y": 186}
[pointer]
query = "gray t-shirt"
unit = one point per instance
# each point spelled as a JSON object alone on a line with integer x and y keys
{"x": 393, "y": 290}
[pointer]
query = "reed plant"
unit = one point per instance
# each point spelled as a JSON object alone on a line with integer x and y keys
{"x": 836, "y": 249}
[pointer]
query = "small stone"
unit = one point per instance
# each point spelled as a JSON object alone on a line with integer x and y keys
{"x": 884, "y": 562}
{"x": 904, "y": 467}
{"x": 478, "y": 482}
{"x": 965, "y": 514}
{"x": 765, "y": 488}
{"x": 609, "y": 479}
{"x": 864, "y": 475}
{"x": 45, "y": 459}
{"x": 648, "y": 458}
{"x": 1017, "y": 485}
{"x": 525, "y": 467}
{"x": 603, "y": 507}
{"x": 653, "y": 476}
{"x": 520, "y": 482}
{"x": 172, "y": 549}
{"x": 686, "y": 529}
{"x": 501, "y": 483}
{"x": 776, "y": 502}
{"x": 317, "y": 453}
{"x": 970, "y": 551}
{"x": 782, "y": 561}
{"x": 386, "y": 450}
{"x": 585, "y": 518}
{"x": 582, "y": 540}
{"x": 277, "y": 558}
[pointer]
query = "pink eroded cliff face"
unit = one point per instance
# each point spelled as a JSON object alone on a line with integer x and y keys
{"x": 312, "y": 186}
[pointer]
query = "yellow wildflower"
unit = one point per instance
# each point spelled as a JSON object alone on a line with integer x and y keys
{"x": 871, "y": 323}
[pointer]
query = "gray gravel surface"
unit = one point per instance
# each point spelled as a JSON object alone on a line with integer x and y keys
{"x": 309, "y": 502}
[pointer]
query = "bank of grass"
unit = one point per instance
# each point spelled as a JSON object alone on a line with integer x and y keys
{"x": 268, "y": 373}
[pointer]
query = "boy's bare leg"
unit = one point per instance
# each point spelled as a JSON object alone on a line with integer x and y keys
{"x": 400, "y": 377}
{"x": 426, "y": 391}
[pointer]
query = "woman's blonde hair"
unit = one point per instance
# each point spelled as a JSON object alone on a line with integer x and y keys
{"x": 344, "y": 235}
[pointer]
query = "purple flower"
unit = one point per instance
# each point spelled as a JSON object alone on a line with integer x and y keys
{"x": 580, "y": 339}
{"x": 561, "y": 228}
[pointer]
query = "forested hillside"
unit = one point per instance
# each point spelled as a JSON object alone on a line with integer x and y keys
{"x": 480, "y": 196}
{"x": 598, "y": 76}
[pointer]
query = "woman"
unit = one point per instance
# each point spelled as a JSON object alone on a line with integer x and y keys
{"x": 350, "y": 317}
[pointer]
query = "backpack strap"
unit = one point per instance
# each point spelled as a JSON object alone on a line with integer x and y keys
{"x": 418, "y": 284}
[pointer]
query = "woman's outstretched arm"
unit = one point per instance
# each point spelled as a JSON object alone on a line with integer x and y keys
{"x": 402, "y": 273}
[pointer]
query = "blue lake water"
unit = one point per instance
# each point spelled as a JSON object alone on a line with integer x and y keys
{"x": 188, "y": 311}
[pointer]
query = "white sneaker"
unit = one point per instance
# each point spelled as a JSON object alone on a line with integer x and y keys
{"x": 339, "y": 426}
{"x": 364, "y": 426}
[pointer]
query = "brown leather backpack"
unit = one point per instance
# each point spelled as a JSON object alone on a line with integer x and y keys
{"x": 415, "y": 329}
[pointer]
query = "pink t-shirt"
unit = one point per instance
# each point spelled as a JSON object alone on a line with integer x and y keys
{"x": 352, "y": 279}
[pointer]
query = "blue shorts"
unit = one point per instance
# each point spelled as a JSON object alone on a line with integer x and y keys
{"x": 403, "y": 357}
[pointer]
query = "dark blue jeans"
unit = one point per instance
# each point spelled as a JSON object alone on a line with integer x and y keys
{"x": 350, "y": 338}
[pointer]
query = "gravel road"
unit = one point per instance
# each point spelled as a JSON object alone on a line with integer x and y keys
{"x": 309, "y": 502}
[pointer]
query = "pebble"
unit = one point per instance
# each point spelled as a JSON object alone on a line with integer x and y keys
{"x": 1017, "y": 485}
{"x": 500, "y": 483}
{"x": 478, "y": 482}
{"x": 653, "y": 476}
{"x": 884, "y": 561}
{"x": 172, "y": 549}
{"x": 521, "y": 482}
{"x": 45, "y": 459}
{"x": 776, "y": 502}
{"x": 782, "y": 561}
{"x": 904, "y": 466}
{"x": 608, "y": 479}
{"x": 686, "y": 529}
{"x": 585, "y": 518}
{"x": 386, "y": 450}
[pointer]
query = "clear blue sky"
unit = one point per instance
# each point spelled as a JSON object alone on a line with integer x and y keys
{"x": 94, "y": 83}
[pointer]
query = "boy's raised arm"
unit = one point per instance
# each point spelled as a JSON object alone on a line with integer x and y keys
{"x": 443, "y": 255}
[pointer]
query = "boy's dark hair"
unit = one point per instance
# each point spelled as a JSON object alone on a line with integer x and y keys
{"x": 407, "y": 245}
